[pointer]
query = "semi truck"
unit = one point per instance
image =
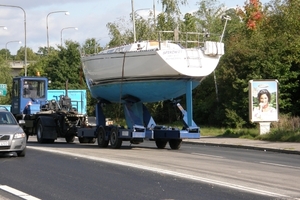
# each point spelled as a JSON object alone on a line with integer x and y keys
{"x": 49, "y": 119}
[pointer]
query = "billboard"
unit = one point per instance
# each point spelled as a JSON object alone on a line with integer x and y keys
{"x": 263, "y": 100}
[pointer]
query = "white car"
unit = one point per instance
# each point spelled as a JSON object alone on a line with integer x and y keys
{"x": 12, "y": 136}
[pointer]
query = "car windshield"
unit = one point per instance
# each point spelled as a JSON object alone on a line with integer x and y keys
{"x": 7, "y": 118}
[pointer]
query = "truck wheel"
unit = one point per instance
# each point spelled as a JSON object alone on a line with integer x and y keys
{"x": 115, "y": 141}
{"x": 175, "y": 144}
{"x": 102, "y": 143}
{"x": 70, "y": 139}
{"x": 39, "y": 132}
{"x": 161, "y": 144}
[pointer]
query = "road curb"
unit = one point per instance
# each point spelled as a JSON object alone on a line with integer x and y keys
{"x": 246, "y": 147}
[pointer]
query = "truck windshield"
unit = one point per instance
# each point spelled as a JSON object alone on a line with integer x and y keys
{"x": 34, "y": 89}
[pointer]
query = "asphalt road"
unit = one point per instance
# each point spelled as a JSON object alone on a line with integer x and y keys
{"x": 77, "y": 171}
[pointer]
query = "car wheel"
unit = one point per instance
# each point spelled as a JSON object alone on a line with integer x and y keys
{"x": 21, "y": 153}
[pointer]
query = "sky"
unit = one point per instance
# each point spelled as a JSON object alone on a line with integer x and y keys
{"x": 89, "y": 17}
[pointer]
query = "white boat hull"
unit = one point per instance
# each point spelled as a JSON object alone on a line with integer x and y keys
{"x": 150, "y": 75}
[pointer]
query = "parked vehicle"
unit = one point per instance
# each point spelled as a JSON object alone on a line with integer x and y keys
{"x": 12, "y": 136}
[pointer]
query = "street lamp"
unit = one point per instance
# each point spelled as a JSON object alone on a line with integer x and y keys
{"x": 25, "y": 61}
{"x": 10, "y": 42}
{"x": 4, "y": 27}
{"x": 61, "y": 32}
{"x": 66, "y": 13}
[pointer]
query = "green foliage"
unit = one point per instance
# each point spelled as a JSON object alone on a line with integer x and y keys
{"x": 240, "y": 133}
{"x": 5, "y": 53}
{"x": 172, "y": 6}
{"x": 208, "y": 17}
{"x": 263, "y": 54}
{"x": 233, "y": 119}
{"x": 31, "y": 56}
{"x": 120, "y": 33}
{"x": 64, "y": 65}
{"x": 5, "y": 78}
{"x": 281, "y": 136}
{"x": 91, "y": 46}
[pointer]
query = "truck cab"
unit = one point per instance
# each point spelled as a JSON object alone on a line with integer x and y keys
{"x": 28, "y": 91}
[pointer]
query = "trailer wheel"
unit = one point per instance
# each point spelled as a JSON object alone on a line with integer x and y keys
{"x": 92, "y": 140}
{"x": 161, "y": 144}
{"x": 102, "y": 143}
{"x": 39, "y": 132}
{"x": 175, "y": 144}
{"x": 115, "y": 141}
{"x": 83, "y": 140}
{"x": 70, "y": 139}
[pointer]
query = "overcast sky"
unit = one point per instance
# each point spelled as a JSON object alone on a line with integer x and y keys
{"x": 89, "y": 16}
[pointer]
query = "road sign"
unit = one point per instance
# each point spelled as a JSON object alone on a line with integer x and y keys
{"x": 3, "y": 89}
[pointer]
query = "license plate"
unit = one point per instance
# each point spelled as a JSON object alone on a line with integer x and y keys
{"x": 4, "y": 143}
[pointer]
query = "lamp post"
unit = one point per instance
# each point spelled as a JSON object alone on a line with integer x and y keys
{"x": 25, "y": 61}
{"x": 66, "y": 13}
{"x": 4, "y": 27}
{"x": 61, "y": 32}
{"x": 10, "y": 42}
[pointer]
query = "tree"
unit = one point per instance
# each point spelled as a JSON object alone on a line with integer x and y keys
{"x": 5, "y": 53}
{"x": 120, "y": 33}
{"x": 64, "y": 64}
{"x": 91, "y": 46}
{"x": 31, "y": 56}
{"x": 5, "y": 78}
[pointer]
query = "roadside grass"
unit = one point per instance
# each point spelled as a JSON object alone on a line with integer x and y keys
{"x": 274, "y": 134}
{"x": 287, "y": 129}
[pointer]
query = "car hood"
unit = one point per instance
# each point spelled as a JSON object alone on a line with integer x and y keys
{"x": 11, "y": 129}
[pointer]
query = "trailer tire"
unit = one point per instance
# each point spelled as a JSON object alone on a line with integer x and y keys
{"x": 83, "y": 140}
{"x": 102, "y": 143}
{"x": 92, "y": 140}
{"x": 39, "y": 132}
{"x": 115, "y": 141}
{"x": 175, "y": 143}
{"x": 161, "y": 144}
{"x": 70, "y": 139}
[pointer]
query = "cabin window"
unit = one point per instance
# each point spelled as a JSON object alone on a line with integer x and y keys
{"x": 34, "y": 89}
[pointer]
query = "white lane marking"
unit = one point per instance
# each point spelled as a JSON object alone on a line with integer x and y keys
{"x": 207, "y": 155}
{"x": 17, "y": 193}
{"x": 280, "y": 165}
{"x": 163, "y": 171}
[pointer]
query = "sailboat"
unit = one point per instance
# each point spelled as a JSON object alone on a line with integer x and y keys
{"x": 149, "y": 71}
